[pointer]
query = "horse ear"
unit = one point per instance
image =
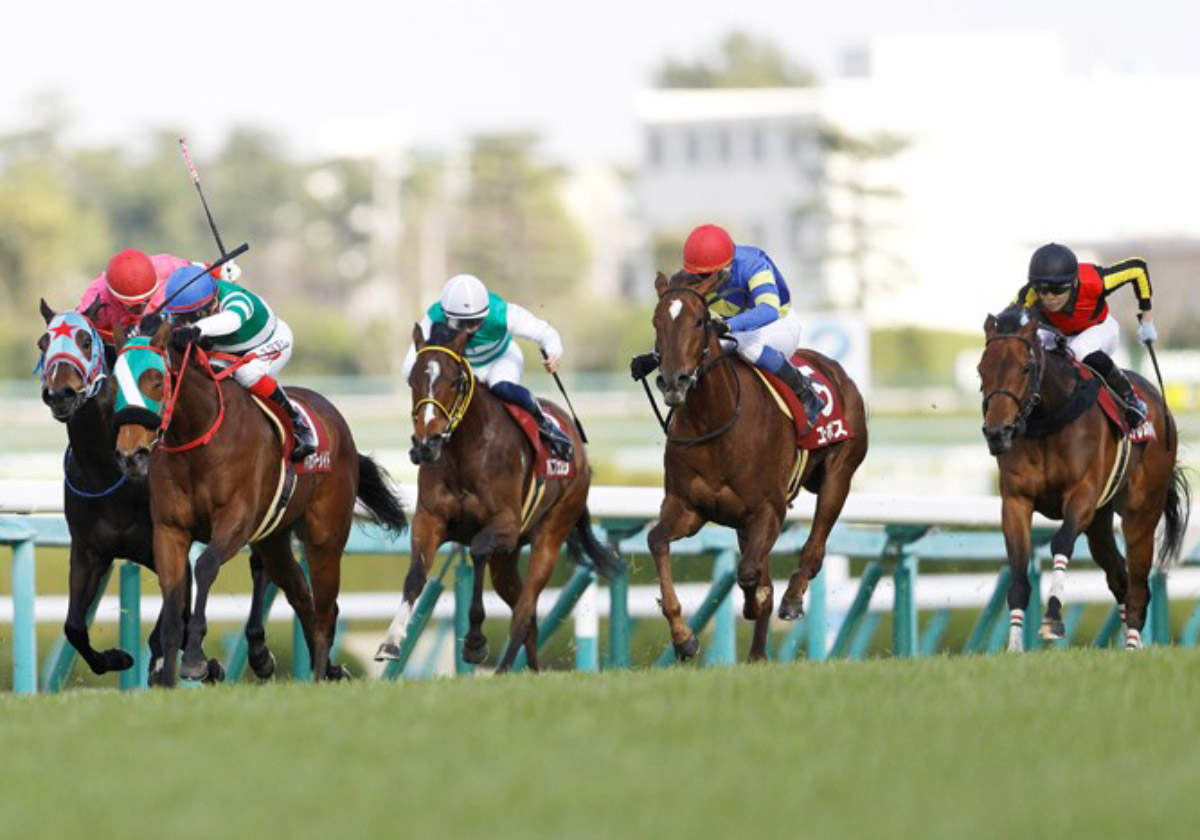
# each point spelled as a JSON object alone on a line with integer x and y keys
{"x": 989, "y": 326}
{"x": 1029, "y": 327}
{"x": 93, "y": 309}
{"x": 161, "y": 335}
{"x": 459, "y": 343}
{"x": 46, "y": 311}
{"x": 418, "y": 337}
{"x": 119, "y": 337}
{"x": 705, "y": 287}
{"x": 660, "y": 283}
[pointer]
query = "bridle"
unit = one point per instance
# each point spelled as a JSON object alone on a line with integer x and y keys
{"x": 464, "y": 390}
{"x": 1027, "y": 403}
{"x": 703, "y": 366}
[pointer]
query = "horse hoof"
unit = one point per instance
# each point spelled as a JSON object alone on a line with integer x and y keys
{"x": 475, "y": 654}
{"x": 193, "y": 670}
{"x": 1052, "y": 629}
{"x": 388, "y": 652}
{"x": 687, "y": 649}
{"x": 791, "y": 610}
{"x": 338, "y": 673}
{"x": 214, "y": 672}
{"x": 263, "y": 666}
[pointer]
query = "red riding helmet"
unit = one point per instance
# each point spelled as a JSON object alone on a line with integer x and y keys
{"x": 708, "y": 248}
{"x": 131, "y": 277}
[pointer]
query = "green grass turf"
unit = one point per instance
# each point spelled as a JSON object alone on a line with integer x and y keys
{"x": 1070, "y": 743}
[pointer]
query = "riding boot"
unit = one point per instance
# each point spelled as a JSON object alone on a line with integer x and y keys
{"x": 802, "y": 386}
{"x": 1135, "y": 409}
{"x": 558, "y": 442}
{"x": 306, "y": 442}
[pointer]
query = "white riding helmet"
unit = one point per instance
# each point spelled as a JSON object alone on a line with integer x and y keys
{"x": 465, "y": 297}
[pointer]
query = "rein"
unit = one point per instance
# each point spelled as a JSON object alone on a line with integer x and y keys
{"x": 172, "y": 397}
{"x": 464, "y": 388}
{"x": 83, "y": 494}
{"x": 1027, "y": 403}
{"x": 704, "y": 366}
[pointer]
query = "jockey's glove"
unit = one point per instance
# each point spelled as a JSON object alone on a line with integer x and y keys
{"x": 1147, "y": 332}
{"x": 720, "y": 326}
{"x": 230, "y": 272}
{"x": 181, "y": 337}
{"x": 642, "y": 366}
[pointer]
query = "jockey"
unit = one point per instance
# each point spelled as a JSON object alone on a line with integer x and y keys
{"x": 751, "y": 310}
{"x": 1070, "y": 296}
{"x": 235, "y": 320}
{"x": 466, "y": 304}
{"x": 132, "y": 283}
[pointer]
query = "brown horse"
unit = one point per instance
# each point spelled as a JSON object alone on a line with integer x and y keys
{"x": 215, "y": 466}
{"x": 730, "y": 457}
{"x": 477, "y": 473}
{"x": 1058, "y": 456}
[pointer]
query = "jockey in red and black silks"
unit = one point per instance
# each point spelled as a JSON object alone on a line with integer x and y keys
{"x": 1072, "y": 298}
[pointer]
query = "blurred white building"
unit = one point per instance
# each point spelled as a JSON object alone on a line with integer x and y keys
{"x": 1007, "y": 150}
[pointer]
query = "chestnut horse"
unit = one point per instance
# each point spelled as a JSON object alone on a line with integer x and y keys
{"x": 215, "y": 479}
{"x": 476, "y": 468}
{"x": 1056, "y": 452}
{"x": 107, "y": 515}
{"x": 729, "y": 457}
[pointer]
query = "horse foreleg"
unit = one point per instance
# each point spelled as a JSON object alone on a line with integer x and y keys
{"x": 171, "y": 563}
{"x": 1078, "y": 509}
{"x": 475, "y": 646}
{"x": 87, "y": 570}
{"x": 754, "y": 577}
{"x": 543, "y": 556}
{"x": 428, "y": 532}
{"x": 196, "y": 665}
{"x": 676, "y": 520}
{"x": 1017, "y": 521}
{"x": 261, "y": 660}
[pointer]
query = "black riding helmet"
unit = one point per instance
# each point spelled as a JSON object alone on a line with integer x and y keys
{"x": 1053, "y": 265}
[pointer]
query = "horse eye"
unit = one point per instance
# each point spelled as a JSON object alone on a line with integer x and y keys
{"x": 700, "y": 321}
{"x": 1028, "y": 367}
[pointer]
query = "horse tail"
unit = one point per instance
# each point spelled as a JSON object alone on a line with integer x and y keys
{"x": 1175, "y": 518}
{"x": 377, "y": 492}
{"x": 588, "y": 551}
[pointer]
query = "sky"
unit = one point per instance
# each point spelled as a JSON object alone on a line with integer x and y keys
{"x": 354, "y": 75}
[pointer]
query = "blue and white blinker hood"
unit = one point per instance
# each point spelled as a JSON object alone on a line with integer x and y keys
{"x": 63, "y": 330}
{"x": 132, "y": 406}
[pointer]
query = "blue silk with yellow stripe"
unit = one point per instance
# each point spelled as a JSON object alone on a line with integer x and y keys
{"x": 755, "y": 294}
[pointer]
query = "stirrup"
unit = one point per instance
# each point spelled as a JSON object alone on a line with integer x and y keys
{"x": 560, "y": 445}
{"x": 1136, "y": 412}
{"x": 304, "y": 444}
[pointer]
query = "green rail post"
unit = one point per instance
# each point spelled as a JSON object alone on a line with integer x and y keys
{"x": 1033, "y": 615}
{"x": 301, "y": 661}
{"x": 858, "y": 607}
{"x": 587, "y": 632}
{"x": 24, "y": 591}
{"x": 1110, "y": 628}
{"x": 723, "y": 650}
{"x": 567, "y": 598}
{"x": 61, "y": 660}
{"x": 718, "y": 592}
{"x": 934, "y": 630}
{"x": 863, "y": 634}
{"x": 464, "y": 582}
{"x": 904, "y": 611}
{"x": 239, "y": 654}
{"x": 618, "y": 621}
{"x": 1160, "y": 612}
{"x": 977, "y": 642}
{"x": 816, "y": 620}
{"x": 1191, "y": 630}
{"x": 130, "y": 632}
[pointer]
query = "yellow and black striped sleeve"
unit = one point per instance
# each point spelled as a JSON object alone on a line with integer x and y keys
{"x": 1128, "y": 271}
{"x": 1027, "y": 297}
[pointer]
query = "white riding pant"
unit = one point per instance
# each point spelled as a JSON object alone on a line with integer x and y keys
{"x": 1105, "y": 336}
{"x": 509, "y": 367}
{"x": 782, "y": 334}
{"x": 269, "y": 357}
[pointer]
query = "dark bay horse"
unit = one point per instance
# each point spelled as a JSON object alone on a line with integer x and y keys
{"x": 215, "y": 467}
{"x": 107, "y": 515}
{"x": 1058, "y": 455}
{"x": 730, "y": 456}
{"x": 476, "y": 469}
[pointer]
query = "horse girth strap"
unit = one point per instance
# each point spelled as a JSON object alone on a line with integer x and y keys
{"x": 465, "y": 390}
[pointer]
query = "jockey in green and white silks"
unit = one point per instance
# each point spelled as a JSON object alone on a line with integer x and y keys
{"x": 231, "y": 319}
{"x": 496, "y": 359}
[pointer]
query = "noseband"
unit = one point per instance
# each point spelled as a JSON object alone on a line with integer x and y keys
{"x": 464, "y": 390}
{"x": 1027, "y": 403}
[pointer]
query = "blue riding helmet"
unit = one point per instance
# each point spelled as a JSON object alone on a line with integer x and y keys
{"x": 198, "y": 289}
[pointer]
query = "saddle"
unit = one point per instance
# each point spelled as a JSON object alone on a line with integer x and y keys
{"x": 545, "y": 466}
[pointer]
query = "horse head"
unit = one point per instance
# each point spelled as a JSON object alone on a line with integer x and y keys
{"x": 683, "y": 333}
{"x": 442, "y": 386}
{"x": 143, "y": 382}
{"x": 1010, "y": 374}
{"x": 72, "y": 361}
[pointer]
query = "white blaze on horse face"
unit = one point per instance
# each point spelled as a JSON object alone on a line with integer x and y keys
{"x": 675, "y": 308}
{"x": 432, "y": 371}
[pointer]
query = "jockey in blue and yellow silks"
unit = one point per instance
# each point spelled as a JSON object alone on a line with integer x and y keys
{"x": 751, "y": 310}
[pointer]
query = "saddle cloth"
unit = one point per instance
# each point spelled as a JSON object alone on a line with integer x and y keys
{"x": 830, "y": 426}
{"x": 320, "y": 461}
{"x": 546, "y": 465}
{"x": 1114, "y": 411}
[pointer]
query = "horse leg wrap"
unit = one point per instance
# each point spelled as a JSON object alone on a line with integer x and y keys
{"x": 1058, "y": 580}
{"x": 1016, "y": 630}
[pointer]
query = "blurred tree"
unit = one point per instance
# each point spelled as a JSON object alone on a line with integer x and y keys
{"x": 743, "y": 60}
{"x": 513, "y": 229}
